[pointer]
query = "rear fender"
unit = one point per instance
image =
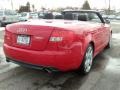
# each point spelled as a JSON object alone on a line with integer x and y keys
{"x": 88, "y": 39}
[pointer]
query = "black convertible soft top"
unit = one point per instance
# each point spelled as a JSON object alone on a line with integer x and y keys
{"x": 85, "y": 11}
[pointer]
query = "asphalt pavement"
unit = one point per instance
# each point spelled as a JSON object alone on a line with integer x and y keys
{"x": 105, "y": 73}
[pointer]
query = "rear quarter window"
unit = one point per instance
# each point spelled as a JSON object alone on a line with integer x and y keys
{"x": 93, "y": 17}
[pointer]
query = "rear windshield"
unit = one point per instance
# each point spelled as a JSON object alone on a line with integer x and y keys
{"x": 9, "y": 12}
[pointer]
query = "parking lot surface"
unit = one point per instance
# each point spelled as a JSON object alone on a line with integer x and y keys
{"x": 105, "y": 73}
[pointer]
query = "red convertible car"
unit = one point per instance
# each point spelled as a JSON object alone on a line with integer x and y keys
{"x": 67, "y": 42}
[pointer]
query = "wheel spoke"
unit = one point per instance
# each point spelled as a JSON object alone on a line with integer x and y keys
{"x": 88, "y": 62}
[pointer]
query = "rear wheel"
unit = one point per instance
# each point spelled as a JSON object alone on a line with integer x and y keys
{"x": 88, "y": 60}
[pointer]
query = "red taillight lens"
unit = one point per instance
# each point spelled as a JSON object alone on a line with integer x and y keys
{"x": 7, "y": 37}
{"x": 57, "y": 36}
{"x": 4, "y": 18}
{"x": 61, "y": 38}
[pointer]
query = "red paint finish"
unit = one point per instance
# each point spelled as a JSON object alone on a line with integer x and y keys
{"x": 68, "y": 49}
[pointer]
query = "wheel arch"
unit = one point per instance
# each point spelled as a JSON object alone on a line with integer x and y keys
{"x": 93, "y": 44}
{"x": 89, "y": 40}
{"x": 82, "y": 64}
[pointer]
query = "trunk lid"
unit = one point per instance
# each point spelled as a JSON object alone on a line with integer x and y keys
{"x": 38, "y": 36}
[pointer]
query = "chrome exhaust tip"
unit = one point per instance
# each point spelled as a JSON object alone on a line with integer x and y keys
{"x": 48, "y": 70}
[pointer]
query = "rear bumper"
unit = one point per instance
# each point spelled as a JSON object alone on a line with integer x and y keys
{"x": 60, "y": 60}
{"x": 49, "y": 69}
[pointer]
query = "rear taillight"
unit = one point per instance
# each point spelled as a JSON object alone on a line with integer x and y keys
{"x": 4, "y": 18}
{"x": 61, "y": 38}
{"x": 7, "y": 37}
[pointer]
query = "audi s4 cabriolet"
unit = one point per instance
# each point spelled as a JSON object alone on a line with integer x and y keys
{"x": 69, "y": 41}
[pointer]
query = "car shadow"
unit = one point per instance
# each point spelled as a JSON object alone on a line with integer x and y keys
{"x": 71, "y": 80}
{"x": 41, "y": 80}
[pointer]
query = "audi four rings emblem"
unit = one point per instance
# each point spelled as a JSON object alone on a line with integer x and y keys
{"x": 22, "y": 30}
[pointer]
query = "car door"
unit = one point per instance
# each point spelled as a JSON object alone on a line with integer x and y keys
{"x": 106, "y": 33}
{"x": 98, "y": 37}
{"x": 99, "y": 32}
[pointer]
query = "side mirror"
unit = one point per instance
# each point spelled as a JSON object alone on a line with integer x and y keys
{"x": 107, "y": 21}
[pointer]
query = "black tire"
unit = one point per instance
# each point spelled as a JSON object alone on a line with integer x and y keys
{"x": 109, "y": 45}
{"x": 84, "y": 68}
{"x": 7, "y": 59}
